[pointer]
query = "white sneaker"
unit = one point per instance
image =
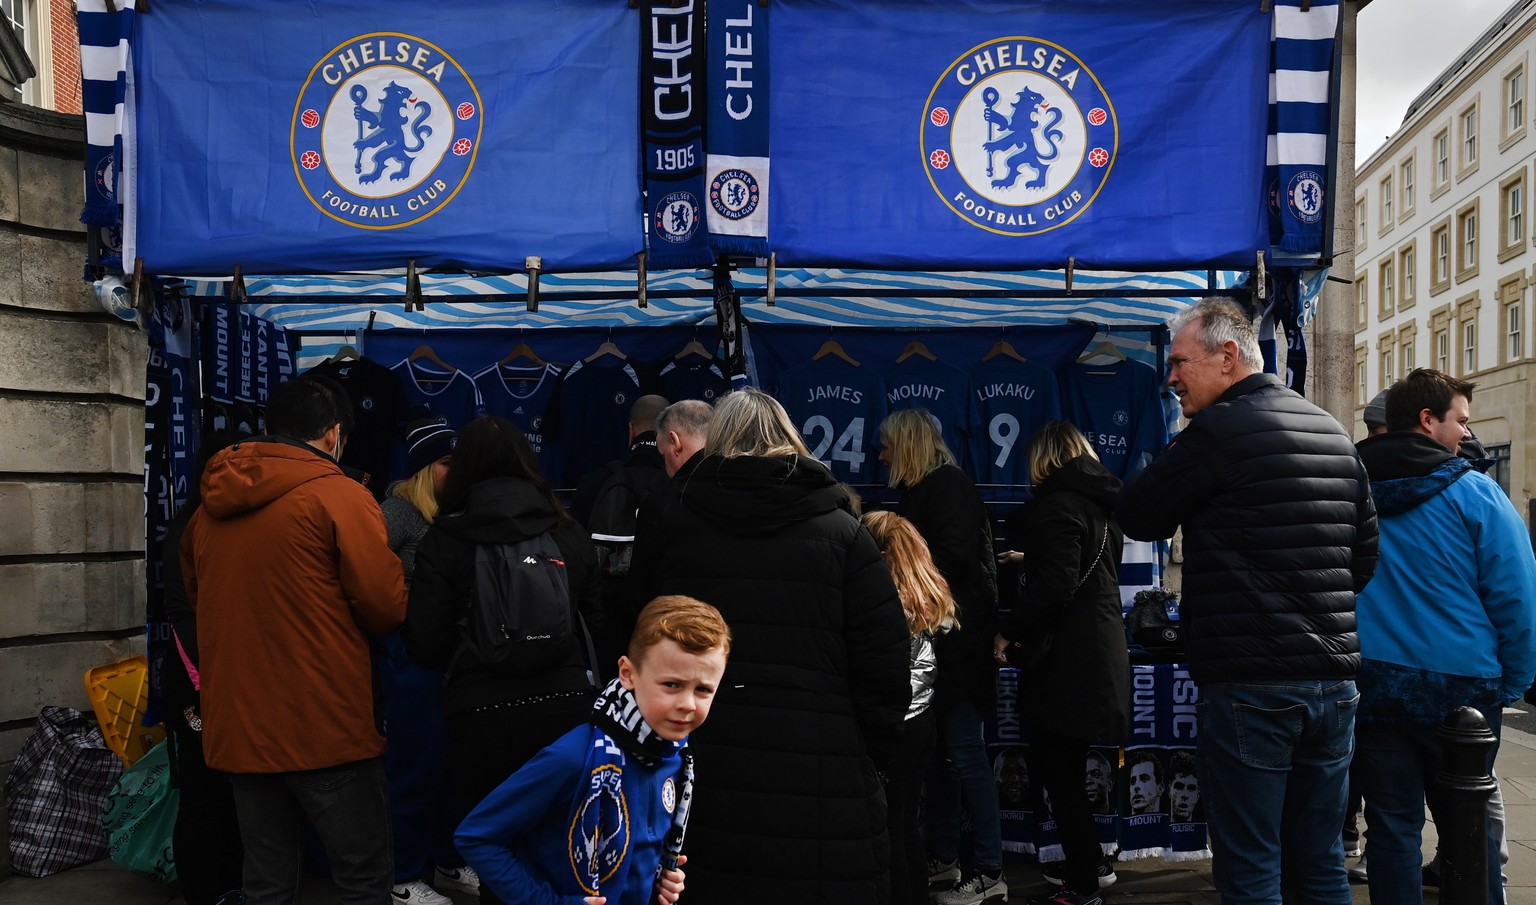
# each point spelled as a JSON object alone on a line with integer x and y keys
{"x": 416, "y": 892}
{"x": 974, "y": 889}
{"x": 464, "y": 879}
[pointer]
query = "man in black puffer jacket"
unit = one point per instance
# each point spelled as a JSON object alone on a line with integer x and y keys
{"x": 1279, "y": 537}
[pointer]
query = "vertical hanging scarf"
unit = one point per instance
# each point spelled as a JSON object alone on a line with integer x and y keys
{"x": 672, "y": 129}
{"x": 737, "y": 138}
{"x": 599, "y": 838}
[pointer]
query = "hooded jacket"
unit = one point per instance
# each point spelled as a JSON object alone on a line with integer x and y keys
{"x": 1279, "y": 534}
{"x": 1450, "y": 618}
{"x": 498, "y": 511}
{"x": 287, "y": 566}
{"x": 814, "y": 695}
{"x": 1072, "y": 589}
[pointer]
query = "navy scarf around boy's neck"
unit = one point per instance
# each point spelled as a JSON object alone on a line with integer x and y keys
{"x": 599, "y": 835}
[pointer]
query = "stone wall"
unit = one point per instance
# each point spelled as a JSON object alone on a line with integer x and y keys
{"x": 72, "y": 442}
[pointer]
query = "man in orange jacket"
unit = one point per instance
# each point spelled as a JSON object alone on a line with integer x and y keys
{"x": 289, "y": 571}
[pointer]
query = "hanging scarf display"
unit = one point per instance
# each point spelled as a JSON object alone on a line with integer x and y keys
{"x": 672, "y": 126}
{"x": 600, "y": 819}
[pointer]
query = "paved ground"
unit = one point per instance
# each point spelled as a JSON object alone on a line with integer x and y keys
{"x": 1151, "y": 882}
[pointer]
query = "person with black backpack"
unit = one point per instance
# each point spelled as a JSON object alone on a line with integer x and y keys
{"x": 505, "y": 581}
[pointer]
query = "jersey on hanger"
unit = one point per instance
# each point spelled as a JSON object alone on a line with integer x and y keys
{"x": 452, "y": 396}
{"x": 376, "y": 412}
{"x": 1012, "y": 400}
{"x": 522, "y": 395}
{"x": 837, "y": 407}
{"x": 593, "y": 413}
{"x": 692, "y": 378}
{"x": 1118, "y": 409}
{"x": 943, "y": 389}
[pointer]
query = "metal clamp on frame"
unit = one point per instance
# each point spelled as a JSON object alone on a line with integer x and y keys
{"x": 413, "y": 299}
{"x": 535, "y": 265}
{"x": 640, "y": 279}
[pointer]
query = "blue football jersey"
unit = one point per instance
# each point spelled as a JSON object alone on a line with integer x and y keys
{"x": 452, "y": 396}
{"x": 944, "y": 390}
{"x": 523, "y": 395}
{"x": 593, "y": 414}
{"x": 1118, "y": 408}
{"x": 1012, "y": 400}
{"x": 692, "y": 378}
{"x": 837, "y": 407}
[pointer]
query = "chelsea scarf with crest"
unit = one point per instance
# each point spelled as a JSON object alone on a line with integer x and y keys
{"x": 599, "y": 838}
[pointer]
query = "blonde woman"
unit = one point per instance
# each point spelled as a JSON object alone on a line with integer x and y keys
{"x": 415, "y": 763}
{"x": 930, "y": 610}
{"x": 1081, "y": 693}
{"x": 948, "y": 512}
{"x": 813, "y": 700}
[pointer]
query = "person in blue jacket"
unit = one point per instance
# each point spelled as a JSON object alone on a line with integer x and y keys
{"x": 1448, "y": 621}
{"x": 599, "y": 815}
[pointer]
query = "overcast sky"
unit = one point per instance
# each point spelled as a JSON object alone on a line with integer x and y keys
{"x": 1401, "y": 46}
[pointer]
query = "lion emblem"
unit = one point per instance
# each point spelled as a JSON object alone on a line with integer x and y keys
{"x": 388, "y": 126}
{"x": 1018, "y": 131}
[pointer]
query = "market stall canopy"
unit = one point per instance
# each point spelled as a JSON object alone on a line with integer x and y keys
{"x": 1008, "y": 135}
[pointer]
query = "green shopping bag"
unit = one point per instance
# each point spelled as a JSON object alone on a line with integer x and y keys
{"x": 140, "y": 815}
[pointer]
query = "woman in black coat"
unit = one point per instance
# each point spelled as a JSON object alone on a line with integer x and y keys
{"x": 947, "y": 510}
{"x": 1081, "y": 692}
{"x": 497, "y": 719}
{"x": 788, "y": 805}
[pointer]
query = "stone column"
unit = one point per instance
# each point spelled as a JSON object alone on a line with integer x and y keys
{"x": 72, "y": 580}
{"x": 1331, "y": 335}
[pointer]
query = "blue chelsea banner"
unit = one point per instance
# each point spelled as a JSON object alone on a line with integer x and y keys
{"x": 350, "y": 135}
{"x": 1019, "y": 133}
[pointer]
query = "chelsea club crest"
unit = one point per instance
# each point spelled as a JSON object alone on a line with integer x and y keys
{"x": 385, "y": 131}
{"x": 1018, "y": 136}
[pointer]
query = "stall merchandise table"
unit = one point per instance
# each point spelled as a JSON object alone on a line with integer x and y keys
{"x": 1148, "y": 799}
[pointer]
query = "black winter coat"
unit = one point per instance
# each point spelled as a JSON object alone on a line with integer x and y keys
{"x": 1084, "y": 691}
{"x": 947, "y": 511}
{"x": 789, "y": 807}
{"x": 1279, "y": 534}
{"x": 499, "y": 511}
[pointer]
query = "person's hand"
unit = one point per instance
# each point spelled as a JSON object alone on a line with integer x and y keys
{"x": 670, "y": 885}
{"x": 1010, "y": 557}
{"x": 1000, "y": 647}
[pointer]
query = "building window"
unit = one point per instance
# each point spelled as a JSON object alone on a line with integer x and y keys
{"x": 1513, "y": 345}
{"x": 1512, "y": 216}
{"x": 1406, "y": 174}
{"x": 1466, "y": 243}
{"x": 1361, "y": 398}
{"x": 1387, "y": 357}
{"x": 1499, "y": 471}
{"x": 1468, "y": 138}
{"x": 1440, "y": 241}
{"x": 1442, "y": 143}
{"x": 1514, "y": 212}
{"x": 1360, "y": 223}
{"x": 1410, "y": 360}
{"x": 1468, "y": 345}
{"x": 1407, "y": 278}
{"x": 1443, "y": 351}
{"x": 1514, "y": 102}
{"x": 1386, "y": 204}
{"x": 1384, "y": 272}
{"x": 1362, "y": 301}
{"x": 22, "y": 16}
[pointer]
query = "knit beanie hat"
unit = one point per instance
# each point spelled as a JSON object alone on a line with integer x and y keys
{"x": 427, "y": 440}
{"x": 1376, "y": 410}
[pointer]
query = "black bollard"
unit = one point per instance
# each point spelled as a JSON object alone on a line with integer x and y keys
{"x": 1464, "y": 787}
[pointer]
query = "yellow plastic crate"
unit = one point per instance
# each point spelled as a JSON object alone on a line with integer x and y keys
{"x": 120, "y": 696}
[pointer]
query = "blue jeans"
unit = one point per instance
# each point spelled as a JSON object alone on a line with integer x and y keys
{"x": 348, "y": 806}
{"x": 1398, "y": 765}
{"x": 1274, "y": 776}
{"x": 960, "y": 776}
